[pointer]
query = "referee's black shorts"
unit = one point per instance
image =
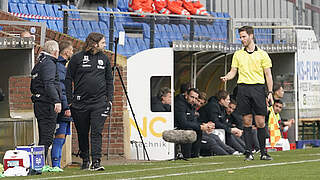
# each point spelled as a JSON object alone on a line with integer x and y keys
{"x": 251, "y": 98}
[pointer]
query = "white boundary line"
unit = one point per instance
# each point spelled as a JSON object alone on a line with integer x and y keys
{"x": 225, "y": 169}
{"x": 129, "y": 171}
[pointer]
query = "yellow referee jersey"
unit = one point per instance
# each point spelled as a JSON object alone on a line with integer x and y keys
{"x": 250, "y": 65}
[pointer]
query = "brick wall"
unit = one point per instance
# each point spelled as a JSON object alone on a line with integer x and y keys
{"x": 20, "y": 93}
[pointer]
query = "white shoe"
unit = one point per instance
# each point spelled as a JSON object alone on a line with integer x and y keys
{"x": 237, "y": 153}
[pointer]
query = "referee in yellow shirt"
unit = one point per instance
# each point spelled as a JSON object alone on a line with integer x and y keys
{"x": 252, "y": 65}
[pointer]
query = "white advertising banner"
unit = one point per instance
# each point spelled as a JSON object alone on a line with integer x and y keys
{"x": 141, "y": 68}
{"x": 308, "y": 69}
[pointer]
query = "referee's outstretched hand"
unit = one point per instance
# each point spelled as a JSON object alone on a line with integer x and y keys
{"x": 224, "y": 78}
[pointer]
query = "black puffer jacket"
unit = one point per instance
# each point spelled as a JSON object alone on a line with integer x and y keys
{"x": 45, "y": 85}
{"x": 184, "y": 115}
{"x": 216, "y": 113}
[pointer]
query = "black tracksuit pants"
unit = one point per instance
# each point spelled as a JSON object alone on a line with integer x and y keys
{"x": 213, "y": 145}
{"x": 91, "y": 117}
{"x": 192, "y": 150}
{"x": 47, "y": 119}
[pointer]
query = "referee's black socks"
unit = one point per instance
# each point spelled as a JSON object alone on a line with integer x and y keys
{"x": 248, "y": 139}
{"x": 262, "y": 140}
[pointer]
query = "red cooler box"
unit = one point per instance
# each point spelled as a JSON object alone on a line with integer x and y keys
{"x": 14, "y": 158}
{"x": 36, "y": 156}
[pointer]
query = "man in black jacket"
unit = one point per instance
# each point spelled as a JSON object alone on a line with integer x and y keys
{"x": 162, "y": 102}
{"x": 46, "y": 92}
{"x": 185, "y": 119}
{"x": 91, "y": 100}
{"x": 215, "y": 112}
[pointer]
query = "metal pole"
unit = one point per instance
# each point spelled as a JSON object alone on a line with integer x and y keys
{"x": 152, "y": 24}
{"x": 191, "y": 29}
{"x": 235, "y": 8}
{"x": 248, "y": 8}
{"x": 261, "y": 8}
{"x": 267, "y": 8}
{"x": 294, "y": 13}
{"x": 300, "y": 21}
{"x": 65, "y": 22}
{"x": 111, "y": 32}
{"x": 255, "y": 9}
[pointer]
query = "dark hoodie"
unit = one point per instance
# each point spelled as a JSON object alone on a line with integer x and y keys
{"x": 216, "y": 113}
{"x": 92, "y": 77}
{"x": 62, "y": 71}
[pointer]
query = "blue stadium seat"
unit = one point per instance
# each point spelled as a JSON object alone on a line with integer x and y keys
{"x": 147, "y": 42}
{"x": 23, "y": 8}
{"x": 269, "y": 36}
{"x": 204, "y": 31}
{"x": 60, "y": 25}
{"x": 95, "y": 26}
{"x": 176, "y": 29}
{"x": 226, "y": 15}
{"x": 133, "y": 45}
{"x": 119, "y": 17}
{"x": 141, "y": 44}
{"x": 184, "y": 31}
{"x": 79, "y": 29}
{"x": 121, "y": 50}
{"x": 157, "y": 34}
{"x": 33, "y": 1}
{"x": 57, "y": 12}
{"x": 52, "y": 25}
{"x": 104, "y": 28}
{"x": 212, "y": 32}
{"x": 40, "y": 9}
{"x": 49, "y": 10}
{"x": 75, "y": 14}
{"x": 23, "y": 1}
{"x": 87, "y": 27}
{"x": 157, "y": 43}
{"x": 123, "y": 5}
{"x": 164, "y": 43}
{"x": 162, "y": 31}
{"x": 103, "y": 16}
{"x": 146, "y": 30}
{"x": 13, "y": 1}
{"x": 171, "y": 34}
{"x": 32, "y": 9}
{"x": 197, "y": 30}
{"x": 72, "y": 30}
{"x": 118, "y": 26}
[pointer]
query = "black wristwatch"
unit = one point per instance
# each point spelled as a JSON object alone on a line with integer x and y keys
{"x": 270, "y": 92}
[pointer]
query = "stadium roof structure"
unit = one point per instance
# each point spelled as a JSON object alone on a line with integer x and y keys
{"x": 229, "y": 47}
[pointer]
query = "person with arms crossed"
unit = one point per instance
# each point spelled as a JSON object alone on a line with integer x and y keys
{"x": 252, "y": 64}
{"x": 91, "y": 100}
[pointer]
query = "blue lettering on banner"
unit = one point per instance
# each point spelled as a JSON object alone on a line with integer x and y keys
{"x": 309, "y": 70}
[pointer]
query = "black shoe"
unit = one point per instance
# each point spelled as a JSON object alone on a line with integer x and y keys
{"x": 266, "y": 157}
{"x": 85, "y": 165}
{"x": 96, "y": 166}
{"x": 248, "y": 156}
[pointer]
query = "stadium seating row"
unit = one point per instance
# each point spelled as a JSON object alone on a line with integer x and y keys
{"x": 164, "y": 33}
